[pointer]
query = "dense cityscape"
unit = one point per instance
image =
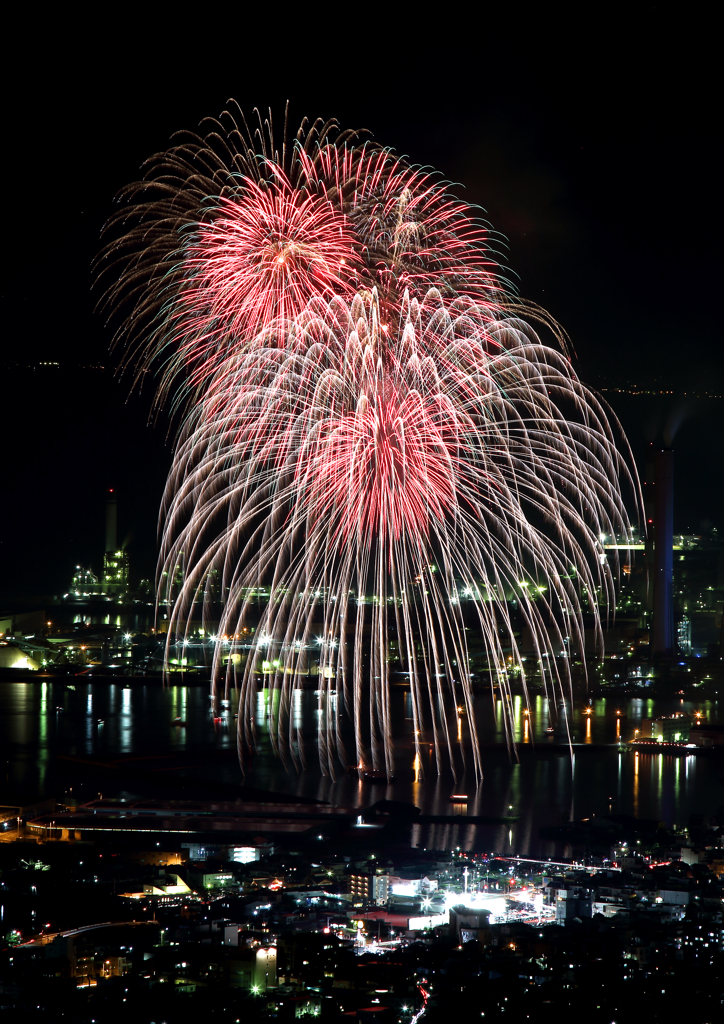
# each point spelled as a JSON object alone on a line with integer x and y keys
{"x": 362, "y": 550}
{"x": 314, "y": 921}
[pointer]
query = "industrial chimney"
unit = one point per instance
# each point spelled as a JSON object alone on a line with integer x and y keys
{"x": 663, "y": 638}
{"x": 111, "y": 522}
{"x": 115, "y": 562}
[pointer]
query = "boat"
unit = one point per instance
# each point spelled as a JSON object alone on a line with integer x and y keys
{"x": 369, "y": 774}
{"x": 376, "y": 775}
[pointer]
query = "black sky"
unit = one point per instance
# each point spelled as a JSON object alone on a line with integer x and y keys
{"x": 590, "y": 139}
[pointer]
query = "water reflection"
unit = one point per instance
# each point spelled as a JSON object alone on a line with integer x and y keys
{"x": 43, "y": 735}
{"x": 126, "y": 724}
{"x": 89, "y": 724}
{"x": 541, "y": 785}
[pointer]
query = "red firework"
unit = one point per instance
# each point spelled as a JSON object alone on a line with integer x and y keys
{"x": 383, "y": 470}
{"x": 221, "y": 244}
{"x": 367, "y": 410}
{"x": 412, "y": 233}
{"x": 254, "y": 265}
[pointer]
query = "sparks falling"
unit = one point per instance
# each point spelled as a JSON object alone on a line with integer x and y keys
{"x": 374, "y": 434}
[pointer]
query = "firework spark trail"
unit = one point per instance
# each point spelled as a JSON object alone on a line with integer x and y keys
{"x": 373, "y": 432}
{"x": 346, "y": 469}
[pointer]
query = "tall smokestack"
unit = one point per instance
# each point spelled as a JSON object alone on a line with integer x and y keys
{"x": 663, "y": 641}
{"x": 649, "y": 488}
{"x": 111, "y": 522}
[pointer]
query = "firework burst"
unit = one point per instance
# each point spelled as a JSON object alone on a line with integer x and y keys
{"x": 375, "y": 438}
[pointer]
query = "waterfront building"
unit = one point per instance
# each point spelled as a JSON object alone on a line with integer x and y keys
{"x": 671, "y": 728}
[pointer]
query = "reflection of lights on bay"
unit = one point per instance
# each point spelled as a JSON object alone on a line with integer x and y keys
{"x": 356, "y": 416}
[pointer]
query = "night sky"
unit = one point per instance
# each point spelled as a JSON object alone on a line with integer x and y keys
{"x": 592, "y": 144}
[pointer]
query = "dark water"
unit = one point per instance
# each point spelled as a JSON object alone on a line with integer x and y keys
{"x": 544, "y": 786}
